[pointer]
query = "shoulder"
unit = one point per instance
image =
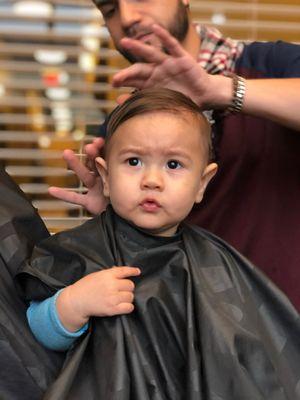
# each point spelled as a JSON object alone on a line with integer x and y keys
{"x": 212, "y": 247}
{"x": 62, "y": 259}
{"x": 271, "y": 59}
{"x": 82, "y": 233}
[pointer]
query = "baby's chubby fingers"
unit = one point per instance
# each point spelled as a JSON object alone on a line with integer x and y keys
{"x": 103, "y": 293}
{"x": 124, "y": 303}
{"x": 125, "y": 272}
{"x": 124, "y": 308}
{"x": 125, "y": 285}
{"x": 125, "y": 297}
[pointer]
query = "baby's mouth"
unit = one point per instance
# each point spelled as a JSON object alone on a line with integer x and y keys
{"x": 150, "y": 205}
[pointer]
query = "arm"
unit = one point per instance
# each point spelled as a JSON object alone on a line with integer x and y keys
{"x": 46, "y": 326}
{"x": 276, "y": 99}
{"x": 58, "y": 321}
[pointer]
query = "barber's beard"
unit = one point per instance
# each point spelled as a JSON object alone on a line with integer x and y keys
{"x": 177, "y": 28}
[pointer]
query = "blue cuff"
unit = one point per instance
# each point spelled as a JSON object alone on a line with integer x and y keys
{"x": 46, "y": 326}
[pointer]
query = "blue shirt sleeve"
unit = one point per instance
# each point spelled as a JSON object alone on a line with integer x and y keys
{"x": 270, "y": 59}
{"x": 45, "y": 325}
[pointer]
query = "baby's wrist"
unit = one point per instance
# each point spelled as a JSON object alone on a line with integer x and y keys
{"x": 68, "y": 311}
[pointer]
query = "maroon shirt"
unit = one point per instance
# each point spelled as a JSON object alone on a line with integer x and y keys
{"x": 253, "y": 202}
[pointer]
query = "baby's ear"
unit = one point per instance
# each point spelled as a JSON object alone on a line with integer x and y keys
{"x": 102, "y": 170}
{"x": 207, "y": 175}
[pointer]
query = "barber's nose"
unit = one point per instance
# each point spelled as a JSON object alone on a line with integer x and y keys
{"x": 152, "y": 180}
{"x": 129, "y": 14}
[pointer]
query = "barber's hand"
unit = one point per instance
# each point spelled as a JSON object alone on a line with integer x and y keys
{"x": 176, "y": 70}
{"x": 93, "y": 201}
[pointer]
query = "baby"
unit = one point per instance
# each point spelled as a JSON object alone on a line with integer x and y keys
{"x": 147, "y": 306}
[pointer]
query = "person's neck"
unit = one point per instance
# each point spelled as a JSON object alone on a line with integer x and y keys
{"x": 192, "y": 41}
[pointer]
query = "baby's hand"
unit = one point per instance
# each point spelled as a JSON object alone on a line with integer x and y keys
{"x": 105, "y": 293}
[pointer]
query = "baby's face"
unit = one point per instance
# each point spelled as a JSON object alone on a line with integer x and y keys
{"x": 156, "y": 170}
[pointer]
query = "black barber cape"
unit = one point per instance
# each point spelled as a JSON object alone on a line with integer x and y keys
{"x": 206, "y": 324}
{"x": 26, "y": 368}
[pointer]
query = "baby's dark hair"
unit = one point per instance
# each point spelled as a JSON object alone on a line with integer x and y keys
{"x": 151, "y": 100}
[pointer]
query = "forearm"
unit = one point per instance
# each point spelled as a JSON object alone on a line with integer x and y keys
{"x": 47, "y": 327}
{"x": 274, "y": 99}
{"x": 177, "y": 69}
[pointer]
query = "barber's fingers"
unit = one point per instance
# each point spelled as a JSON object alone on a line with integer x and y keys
{"x": 79, "y": 168}
{"x": 123, "y": 97}
{"x": 67, "y": 195}
{"x": 91, "y": 151}
{"x": 144, "y": 51}
{"x": 136, "y": 73}
{"x": 151, "y": 54}
{"x": 172, "y": 45}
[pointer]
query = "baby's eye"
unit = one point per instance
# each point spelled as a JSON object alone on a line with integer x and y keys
{"x": 134, "y": 161}
{"x": 174, "y": 164}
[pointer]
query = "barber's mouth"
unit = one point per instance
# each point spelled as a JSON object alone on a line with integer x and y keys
{"x": 146, "y": 37}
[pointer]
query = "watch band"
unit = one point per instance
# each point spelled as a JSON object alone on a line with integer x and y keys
{"x": 239, "y": 90}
